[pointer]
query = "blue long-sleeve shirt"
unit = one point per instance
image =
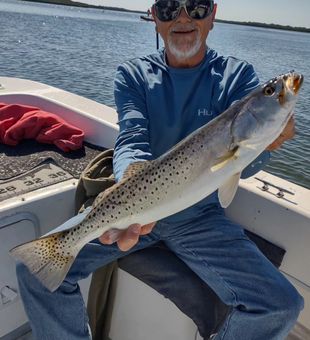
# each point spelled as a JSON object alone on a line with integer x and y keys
{"x": 159, "y": 105}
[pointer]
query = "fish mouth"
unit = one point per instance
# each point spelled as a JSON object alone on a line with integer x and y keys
{"x": 293, "y": 81}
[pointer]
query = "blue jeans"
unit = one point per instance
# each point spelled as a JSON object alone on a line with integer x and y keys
{"x": 162, "y": 270}
{"x": 264, "y": 305}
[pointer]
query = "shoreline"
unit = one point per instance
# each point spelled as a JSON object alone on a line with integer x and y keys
{"x": 247, "y": 23}
{"x": 80, "y": 4}
{"x": 263, "y": 25}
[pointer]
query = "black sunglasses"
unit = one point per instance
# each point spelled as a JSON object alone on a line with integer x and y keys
{"x": 167, "y": 10}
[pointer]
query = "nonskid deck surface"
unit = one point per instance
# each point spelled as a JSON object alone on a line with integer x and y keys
{"x": 31, "y": 166}
{"x": 19, "y": 159}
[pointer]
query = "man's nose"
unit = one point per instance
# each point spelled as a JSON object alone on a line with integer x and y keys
{"x": 183, "y": 16}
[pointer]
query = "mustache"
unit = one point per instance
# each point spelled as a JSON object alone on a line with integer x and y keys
{"x": 182, "y": 28}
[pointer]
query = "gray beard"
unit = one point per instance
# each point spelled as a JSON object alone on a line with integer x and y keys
{"x": 181, "y": 54}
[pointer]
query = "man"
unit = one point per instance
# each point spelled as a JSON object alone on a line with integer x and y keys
{"x": 161, "y": 99}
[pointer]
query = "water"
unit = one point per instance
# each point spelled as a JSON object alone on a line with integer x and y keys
{"x": 79, "y": 49}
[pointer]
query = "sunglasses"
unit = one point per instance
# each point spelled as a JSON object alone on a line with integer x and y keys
{"x": 167, "y": 10}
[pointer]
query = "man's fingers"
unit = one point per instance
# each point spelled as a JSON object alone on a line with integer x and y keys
{"x": 276, "y": 144}
{"x": 287, "y": 133}
{"x": 111, "y": 236}
{"x": 130, "y": 237}
{"x": 147, "y": 228}
{"x": 290, "y": 129}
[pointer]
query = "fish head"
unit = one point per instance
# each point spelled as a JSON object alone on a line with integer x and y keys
{"x": 281, "y": 92}
{"x": 266, "y": 111}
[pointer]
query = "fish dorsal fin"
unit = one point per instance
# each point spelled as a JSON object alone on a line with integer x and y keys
{"x": 227, "y": 191}
{"x": 135, "y": 167}
{"x": 222, "y": 161}
{"x": 132, "y": 169}
{"x": 104, "y": 193}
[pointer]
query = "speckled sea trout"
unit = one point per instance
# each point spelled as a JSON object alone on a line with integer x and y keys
{"x": 210, "y": 158}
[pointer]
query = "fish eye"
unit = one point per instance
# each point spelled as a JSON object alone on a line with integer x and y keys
{"x": 269, "y": 90}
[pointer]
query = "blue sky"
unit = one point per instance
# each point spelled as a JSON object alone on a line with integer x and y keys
{"x": 284, "y": 12}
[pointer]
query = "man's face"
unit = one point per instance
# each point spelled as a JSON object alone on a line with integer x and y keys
{"x": 185, "y": 37}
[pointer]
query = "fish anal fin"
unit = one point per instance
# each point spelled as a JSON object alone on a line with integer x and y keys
{"x": 227, "y": 191}
{"x": 224, "y": 160}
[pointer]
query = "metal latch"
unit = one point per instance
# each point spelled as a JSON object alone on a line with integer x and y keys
{"x": 7, "y": 295}
{"x": 281, "y": 191}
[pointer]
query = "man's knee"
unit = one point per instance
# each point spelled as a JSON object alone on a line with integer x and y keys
{"x": 28, "y": 282}
{"x": 286, "y": 301}
{"x": 293, "y": 303}
{"x": 22, "y": 272}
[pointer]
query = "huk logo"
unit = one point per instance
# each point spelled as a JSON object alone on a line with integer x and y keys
{"x": 204, "y": 112}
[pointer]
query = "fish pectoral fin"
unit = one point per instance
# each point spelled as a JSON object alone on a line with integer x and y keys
{"x": 246, "y": 145}
{"x": 227, "y": 191}
{"x": 222, "y": 161}
{"x": 134, "y": 168}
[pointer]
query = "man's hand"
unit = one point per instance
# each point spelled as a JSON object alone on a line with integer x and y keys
{"x": 128, "y": 238}
{"x": 287, "y": 133}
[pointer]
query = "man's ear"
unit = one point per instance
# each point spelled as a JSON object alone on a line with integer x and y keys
{"x": 153, "y": 11}
{"x": 154, "y": 17}
{"x": 214, "y": 11}
{"x": 213, "y": 15}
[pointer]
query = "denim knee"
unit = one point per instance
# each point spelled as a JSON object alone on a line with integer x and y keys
{"x": 287, "y": 303}
{"x": 294, "y": 304}
{"x": 22, "y": 272}
{"x": 28, "y": 281}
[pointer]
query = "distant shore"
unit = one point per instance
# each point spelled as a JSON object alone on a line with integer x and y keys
{"x": 249, "y": 23}
{"x": 80, "y": 4}
{"x": 262, "y": 25}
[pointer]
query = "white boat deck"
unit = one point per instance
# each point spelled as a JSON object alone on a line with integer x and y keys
{"x": 28, "y": 336}
{"x": 297, "y": 334}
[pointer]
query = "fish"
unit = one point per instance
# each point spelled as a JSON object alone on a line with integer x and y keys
{"x": 210, "y": 158}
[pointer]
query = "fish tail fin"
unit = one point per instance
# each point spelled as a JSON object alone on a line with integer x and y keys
{"x": 47, "y": 259}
